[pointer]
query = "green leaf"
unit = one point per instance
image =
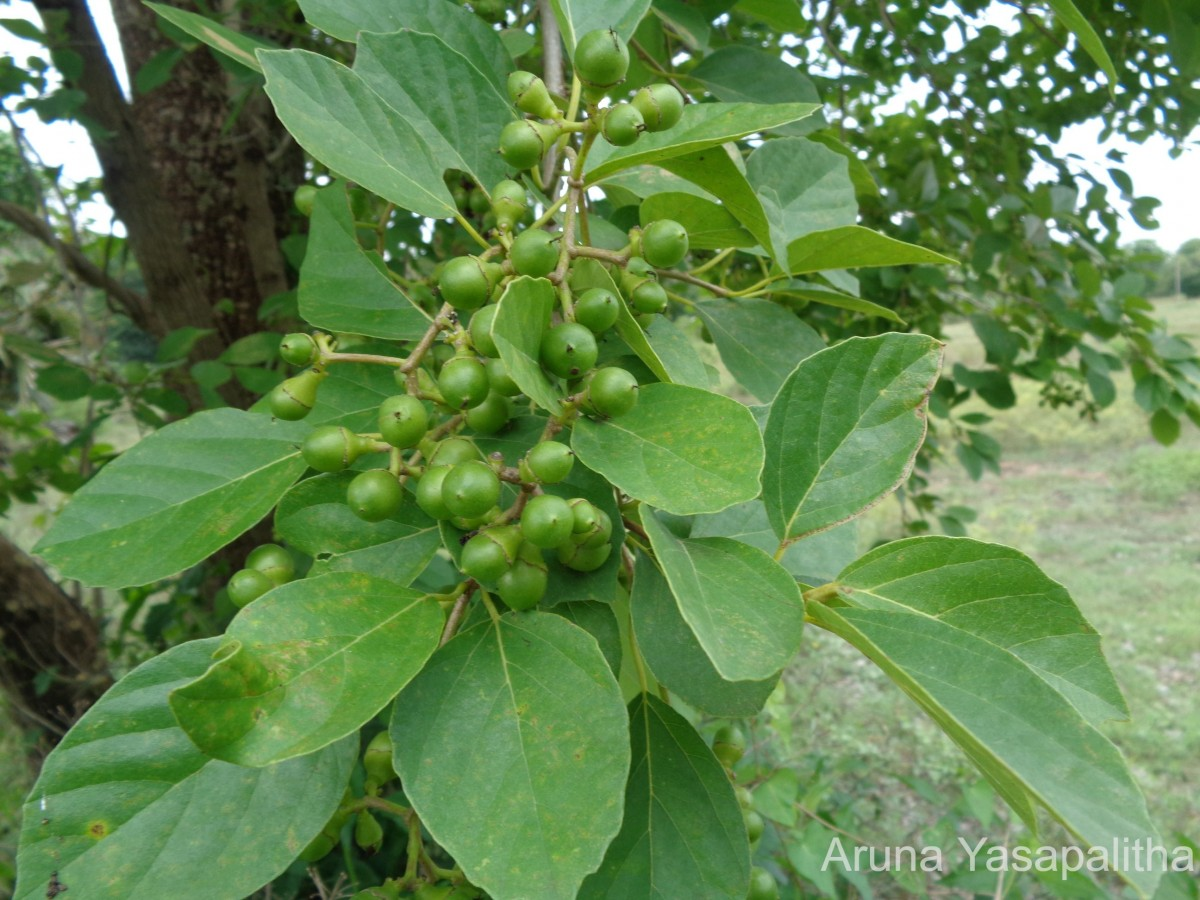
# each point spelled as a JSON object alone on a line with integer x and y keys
{"x": 175, "y": 498}
{"x": 852, "y": 247}
{"x": 690, "y": 24}
{"x": 598, "y": 620}
{"x": 675, "y": 656}
{"x": 577, "y": 17}
{"x": 350, "y": 395}
{"x": 781, "y": 15}
{"x": 750, "y": 75}
{"x": 346, "y": 289}
{"x": 521, "y": 319}
{"x": 1026, "y": 738}
{"x": 743, "y": 607}
{"x": 703, "y": 125}
{"x": 760, "y": 342}
{"x": 521, "y": 789}
{"x": 681, "y": 449}
{"x": 709, "y": 225}
{"x": 683, "y": 834}
{"x": 313, "y": 518}
{"x": 305, "y": 665}
{"x": 64, "y": 381}
{"x": 722, "y": 175}
{"x": 457, "y": 108}
{"x": 1078, "y": 24}
{"x": 844, "y": 430}
{"x": 179, "y": 343}
{"x": 237, "y": 46}
{"x": 127, "y": 808}
{"x": 817, "y": 293}
{"x": 333, "y": 115}
{"x": 1000, "y": 596}
{"x": 676, "y": 353}
{"x": 803, "y": 187}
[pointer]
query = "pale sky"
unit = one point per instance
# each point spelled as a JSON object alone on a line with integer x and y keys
{"x": 1175, "y": 182}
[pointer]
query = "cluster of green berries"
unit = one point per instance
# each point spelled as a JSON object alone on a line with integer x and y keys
{"x": 729, "y": 746}
{"x": 267, "y": 567}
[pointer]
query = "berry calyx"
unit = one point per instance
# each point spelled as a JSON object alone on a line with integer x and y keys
{"x": 273, "y": 561}
{"x": 601, "y": 58}
{"x": 332, "y": 448}
{"x": 569, "y": 349}
{"x": 529, "y": 94}
{"x": 463, "y": 382}
{"x": 246, "y": 586}
{"x": 470, "y": 489}
{"x": 550, "y": 461}
{"x": 664, "y": 243}
{"x": 299, "y": 349}
{"x": 293, "y": 398}
{"x": 597, "y": 310}
{"x": 534, "y": 253}
{"x": 368, "y": 833}
{"x": 547, "y": 521}
{"x": 403, "y": 420}
{"x": 375, "y": 495}
{"x": 661, "y": 106}
{"x": 622, "y": 125}
{"x": 612, "y": 392}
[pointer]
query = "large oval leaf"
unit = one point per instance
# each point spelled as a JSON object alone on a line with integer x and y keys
{"x": 844, "y": 430}
{"x": 175, "y": 498}
{"x": 127, "y": 808}
{"x": 307, "y": 664}
{"x": 520, "y": 788}
{"x": 681, "y": 449}
{"x": 999, "y": 595}
{"x": 853, "y": 247}
{"x": 675, "y": 656}
{"x": 743, "y": 607}
{"x": 683, "y": 833}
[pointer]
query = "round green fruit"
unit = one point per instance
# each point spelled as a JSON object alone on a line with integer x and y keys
{"x": 305, "y": 198}
{"x": 586, "y": 516}
{"x": 491, "y": 553}
{"x": 583, "y": 559}
{"x": 247, "y": 585}
{"x": 508, "y": 204}
{"x": 547, "y": 521}
{"x": 612, "y": 392}
{"x": 375, "y": 495}
{"x": 273, "y": 561}
{"x": 332, "y": 448}
{"x": 745, "y": 797}
{"x": 755, "y": 826}
{"x": 569, "y": 350}
{"x": 368, "y": 833}
{"x": 597, "y": 310}
{"x": 661, "y": 106}
{"x": 480, "y": 330}
{"x": 403, "y": 420}
{"x": 523, "y": 143}
{"x": 529, "y": 94}
{"x": 463, "y": 382}
{"x": 601, "y": 58}
{"x": 429, "y": 492}
{"x": 664, "y": 243}
{"x": 524, "y": 585}
{"x": 377, "y": 760}
{"x": 491, "y": 415}
{"x": 293, "y": 398}
{"x": 499, "y": 379}
{"x": 622, "y": 125}
{"x": 550, "y": 461}
{"x": 534, "y": 253}
{"x": 470, "y": 489}
{"x": 649, "y": 297}
{"x": 466, "y": 282}
{"x": 729, "y": 745}
{"x": 598, "y": 535}
{"x": 762, "y": 885}
{"x": 298, "y": 349}
{"x": 452, "y": 451}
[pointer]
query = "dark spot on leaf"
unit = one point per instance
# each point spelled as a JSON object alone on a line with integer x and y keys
{"x": 97, "y": 830}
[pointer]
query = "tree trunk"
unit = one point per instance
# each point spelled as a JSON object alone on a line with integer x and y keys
{"x": 52, "y": 659}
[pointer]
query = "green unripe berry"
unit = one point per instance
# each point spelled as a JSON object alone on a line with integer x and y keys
{"x": 403, "y": 420}
{"x": 546, "y": 521}
{"x": 491, "y": 415}
{"x": 524, "y": 585}
{"x": 452, "y": 451}
{"x": 612, "y": 392}
{"x": 499, "y": 379}
{"x": 583, "y": 559}
{"x": 508, "y": 203}
{"x": 298, "y": 349}
{"x": 465, "y": 283}
{"x": 368, "y": 833}
{"x": 598, "y": 535}
{"x": 661, "y": 106}
{"x": 470, "y": 489}
{"x": 622, "y": 125}
{"x": 649, "y": 297}
{"x": 429, "y": 492}
{"x": 550, "y": 461}
{"x": 480, "y": 330}
{"x": 478, "y": 201}
{"x": 569, "y": 349}
{"x": 597, "y": 310}
{"x": 247, "y": 585}
{"x": 601, "y": 58}
{"x": 744, "y": 797}
{"x": 585, "y": 514}
{"x": 664, "y": 243}
{"x": 491, "y": 553}
{"x": 528, "y": 93}
{"x": 377, "y": 760}
{"x": 304, "y": 199}
{"x": 523, "y": 143}
{"x": 273, "y": 561}
{"x": 762, "y": 885}
{"x": 375, "y": 495}
{"x": 534, "y": 253}
{"x": 729, "y": 745}
{"x": 636, "y": 269}
{"x": 293, "y": 398}
{"x": 463, "y": 382}
{"x": 755, "y": 826}
{"x": 332, "y": 448}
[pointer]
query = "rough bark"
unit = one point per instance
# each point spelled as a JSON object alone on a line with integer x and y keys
{"x": 44, "y": 630}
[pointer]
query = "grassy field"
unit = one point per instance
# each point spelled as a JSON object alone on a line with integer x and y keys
{"x": 1114, "y": 517}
